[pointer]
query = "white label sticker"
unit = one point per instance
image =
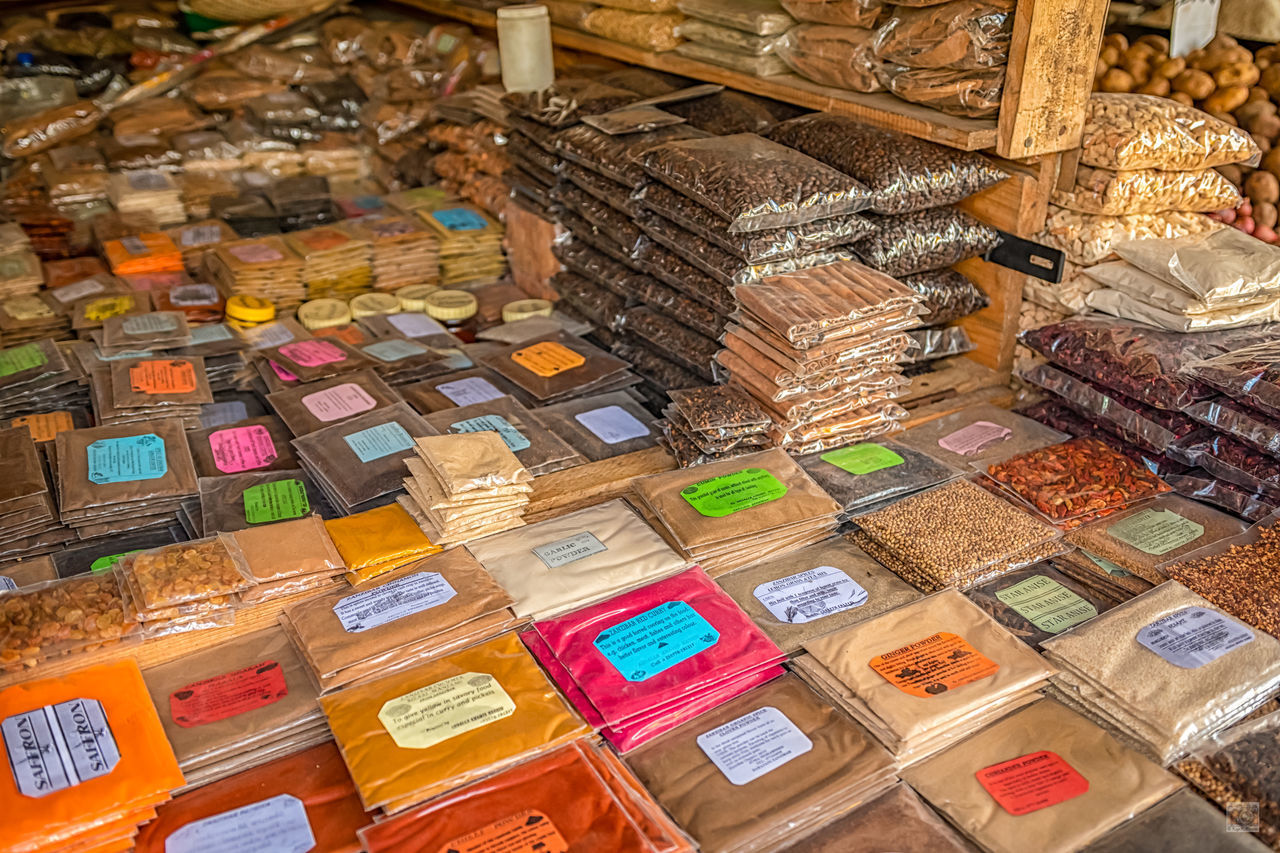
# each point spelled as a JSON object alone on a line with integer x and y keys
{"x": 134, "y": 246}
{"x": 466, "y": 392}
{"x": 79, "y": 290}
{"x": 200, "y": 235}
{"x": 188, "y": 295}
{"x": 446, "y": 709}
{"x": 415, "y": 325}
{"x": 1194, "y": 636}
{"x": 974, "y": 438}
{"x": 806, "y": 596}
{"x": 754, "y": 744}
{"x": 276, "y": 825}
{"x": 270, "y": 335}
{"x": 612, "y": 424}
{"x": 7, "y": 583}
{"x": 210, "y": 334}
{"x": 56, "y": 747}
{"x": 569, "y": 550}
{"x": 395, "y": 600}
{"x": 147, "y": 181}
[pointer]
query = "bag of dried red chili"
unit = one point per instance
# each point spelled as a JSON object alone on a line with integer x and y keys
{"x": 1250, "y": 375}
{"x": 1231, "y": 460}
{"x": 1055, "y": 412}
{"x": 1076, "y": 481}
{"x": 1138, "y": 360}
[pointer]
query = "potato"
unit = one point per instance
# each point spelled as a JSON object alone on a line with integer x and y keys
{"x": 1183, "y": 98}
{"x": 1139, "y": 69}
{"x": 1159, "y": 86}
{"x": 1271, "y": 161}
{"x": 1254, "y": 108}
{"x": 1221, "y": 41}
{"x": 1262, "y": 188}
{"x": 1265, "y": 214}
{"x": 1197, "y": 84}
{"x": 1264, "y": 233}
{"x": 1263, "y": 142}
{"x": 1237, "y": 74}
{"x": 1102, "y": 68}
{"x": 1117, "y": 80}
{"x": 1159, "y": 43}
{"x": 1270, "y": 81}
{"x": 1171, "y": 67}
{"x": 1233, "y": 174}
{"x": 1117, "y": 41}
{"x": 1267, "y": 56}
{"x": 1225, "y": 100}
{"x": 1264, "y": 127}
{"x": 1110, "y": 55}
{"x": 1220, "y": 116}
{"x": 1257, "y": 93}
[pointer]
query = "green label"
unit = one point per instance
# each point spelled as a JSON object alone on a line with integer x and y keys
{"x": 102, "y": 564}
{"x": 1156, "y": 531}
{"x": 862, "y": 458}
{"x": 721, "y": 496}
{"x": 1107, "y": 566}
{"x": 16, "y": 359}
{"x": 277, "y": 501}
{"x": 1047, "y": 604}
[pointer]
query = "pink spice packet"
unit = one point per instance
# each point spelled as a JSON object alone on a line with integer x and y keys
{"x": 647, "y": 651}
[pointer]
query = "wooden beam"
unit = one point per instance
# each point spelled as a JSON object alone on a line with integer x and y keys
{"x": 1052, "y": 56}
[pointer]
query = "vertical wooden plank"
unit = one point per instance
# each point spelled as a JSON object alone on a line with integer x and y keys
{"x": 1052, "y": 57}
{"x": 994, "y": 329}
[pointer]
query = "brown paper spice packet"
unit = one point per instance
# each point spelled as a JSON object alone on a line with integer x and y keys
{"x": 239, "y": 501}
{"x": 461, "y": 388}
{"x": 1183, "y": 823}
{"x": 601, "y": 426}
{"x": 316, "y": 405}
{"x": 538, "y": 449}
{"x": 819, "y": 589}
{"x": 1043, "y": 778}
{"x": 795, "y": 758}
{"x": 897, "y": 820}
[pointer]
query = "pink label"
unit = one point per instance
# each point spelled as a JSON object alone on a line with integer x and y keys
{"x": 340, "y": 401}
{"x": 974, "y": 438}
{"x": 242, "y": 449}
{"x": 312, "y": 353}
{"x": 255, "y": 254}
{"x": 281, "y": 372}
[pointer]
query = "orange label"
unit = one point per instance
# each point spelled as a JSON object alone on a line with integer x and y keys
{"x": 163, "y": 377}
{"x": 44, "y": 427}
{"x": 1032, "y": 782}
{"x": 934, "y": 665}
{"x": 322, "y": 239}
{"x": 348, "y": 334}
{"x": 547, "y": 358}
{"x": 529, "y": 831}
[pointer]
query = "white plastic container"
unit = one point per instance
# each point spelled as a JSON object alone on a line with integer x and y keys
{"x": 524, "y": 42}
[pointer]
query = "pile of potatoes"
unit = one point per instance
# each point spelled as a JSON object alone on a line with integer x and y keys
{"x": 1226, "y": 80}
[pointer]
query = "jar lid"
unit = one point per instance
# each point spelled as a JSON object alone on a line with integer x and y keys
{"x": 451, "y": 305}
{"x": 373, "y": 304}
{"x": 414, "y": 296}
{"x": 250, "y": 309}
{"x": 523, "y": 309}
{"x": 323, "y": 313}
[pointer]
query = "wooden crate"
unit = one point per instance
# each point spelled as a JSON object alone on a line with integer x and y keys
{"x": 1054, "y": 50}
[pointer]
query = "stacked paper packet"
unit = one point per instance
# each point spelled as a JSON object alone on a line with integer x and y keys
{"x": 727, "y": 514}
{"x": 147, "y": 197}
{"x": 47, "y": 806}
{"x": 404, "y": 251}
{"x": 714, "y": 422}
{"x": 199, "y": 189}
{"x": 197, "y": 239}
{"x": 819, "y": 350}
{"x": 334, "y": 263}
{"x": 640, "y": 663}
{"x": 1201, "y": 670}
{"x": 187, "y": 586}
{"x": 419, "y": 612}
{"x": 40, "y": 377}
{"x": 925, "y": 674}
{"x": 139, "y": 389}
{"x": 263, "y": 267}
{"x": 955, "y": 535}
{"x": 236, "y": 705}
{"x": 470, "y": 245}
{"x": 32, "y": 316}
{"x": 26, "y": 502}
{"x": 20, "y": 270}
{"x": 465, "y": 486}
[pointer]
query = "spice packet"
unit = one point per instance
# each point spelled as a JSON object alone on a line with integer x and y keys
{"x": 238, "y": 501}
{"x": 461, "y": 388}
{"x": 186, "y": 572}
{"x": 896, "y": 820}
{"x": 35, "y": 625}
{"x": 1190, "y": 669}
{"x": 316, "y": 358}
{"x": 392, "y": 718}
{"x": 1099, "y": 783}
{"x": 814, "y": 591}
{"x": 1184, "y": 821}
{"x": 377, "y": 540}
{"x": 601, "y": 426}
{"x": 862, "y": 475}
{"x": 149, "y": 382}
{"x": 1037, "y": 602}
{"x": 142, "y": 332}
{"x": 538, "y": 449}
{"x": 982, "y": 433}
{"x": 253, "y": 444}
{"x": 555, "y": 367}
{"x": 315, "y": 405}
{"x": 104, "y": 466}
{"x": 289, "y": 549}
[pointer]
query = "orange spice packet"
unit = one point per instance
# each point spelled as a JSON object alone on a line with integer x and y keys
{"x": 150, "y": 252}
{"x": 418, "y": 733}
{"x": 378, "y": 540}
{"x": 114, "y": 758}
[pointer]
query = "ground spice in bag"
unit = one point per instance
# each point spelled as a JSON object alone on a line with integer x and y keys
{"x": 378, "y": 540}
{"x": 415, "y": 734}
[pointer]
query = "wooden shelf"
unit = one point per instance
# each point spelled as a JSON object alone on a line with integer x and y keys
{"x": 1038, "y": 116}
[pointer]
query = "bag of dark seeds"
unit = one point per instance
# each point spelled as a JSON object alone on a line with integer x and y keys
{"x": 925, "y": 240}
{"x": 948, "y": 296}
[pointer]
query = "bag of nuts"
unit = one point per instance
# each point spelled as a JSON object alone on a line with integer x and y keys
{"x": 959, "y": 34}
{"x": 973, "y": 93}
{"x": 1147, "y": 191}
{"x": 833, "y": 56}
{"x": 1087, "y": 239}
{"x": 1127, "y": 132}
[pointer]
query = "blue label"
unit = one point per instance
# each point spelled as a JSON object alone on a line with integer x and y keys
{"x": 394, "y": 350}
{"x": 124, "y": 460}
{"x": 379, "y": 441}
{"x": 656, "y": 640}
{"x": 494, "y": 423}
{"x": 460, "y": 219}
